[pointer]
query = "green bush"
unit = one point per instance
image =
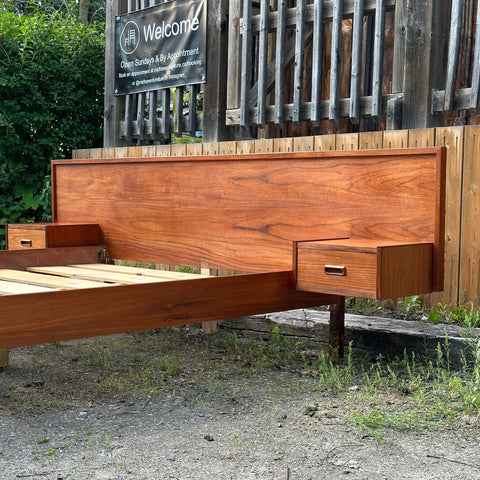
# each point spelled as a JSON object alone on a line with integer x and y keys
{"x": 51, "y": 102}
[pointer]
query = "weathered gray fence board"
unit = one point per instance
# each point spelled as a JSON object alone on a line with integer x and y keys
{"x": 475, "y": 98}
{"x": 280, "y": 62}
{"x": 246, "y": 62}
{"x": 453, "y": 50}
{"x": 356, "y": 72}
{"x": 317, "y": 60}
{"x": 378, "y": 52}
{"x": 262, "y": 62}
{"x": 335, "y": 60}
{"x": 298, "y": 71}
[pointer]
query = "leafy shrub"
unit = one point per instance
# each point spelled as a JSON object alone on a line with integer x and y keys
{"x": 51, "y": 102}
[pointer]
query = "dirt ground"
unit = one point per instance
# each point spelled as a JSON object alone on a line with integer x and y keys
{"x": 178, "y": 404}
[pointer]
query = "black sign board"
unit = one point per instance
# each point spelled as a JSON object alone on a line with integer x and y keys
{"x": 160, "y": 47}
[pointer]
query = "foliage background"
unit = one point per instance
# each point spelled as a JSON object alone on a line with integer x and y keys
{"x": 51, "y": 100}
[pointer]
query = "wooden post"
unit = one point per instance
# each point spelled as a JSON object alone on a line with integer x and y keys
{"x": 337, "y": 326}
{"x": 208, "y": 327}
{"x": 214, "y": 110}
{"x": 423, "y": 28}
{"x": 114, "y": 106}
{"x": 4, "y": 357}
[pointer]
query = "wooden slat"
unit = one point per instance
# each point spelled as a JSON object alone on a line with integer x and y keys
{"x": 246, "y": 63}
{"x": 9, "y": 288}
{"x": 470, "y": 222}
{"x": 64, "y": 315}
{"x": 368, "y": 140}
{"x": 421, "y": 137}
{"x": 262, "y": 63}
{"x": 335, "y": 60}
{"x": 298, "y": 69}
{"x": 378, "y": 51}
{"x": 453, "y": 140}
{"x": 234, "y": 59}
{"x": 395, "y": 139}
{"x": 453, "y": 49}
{"x": 346, "y": 141}
{"x": 317, "y": 61}
{"x": 165, "y": 121}
{"x": 356, "y": 72}
{"x": 192, "y": 109}
{"x": 139, "y": 271}
{"x": 280, "y": 62}
{"x": 178, "y": 114}
{"x": 475, "y": 95}
{"x": 94, "y": 275}
{"x": 47, "y": 280}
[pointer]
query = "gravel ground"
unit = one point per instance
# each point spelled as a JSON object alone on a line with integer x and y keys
{"x": 176, "y": 404}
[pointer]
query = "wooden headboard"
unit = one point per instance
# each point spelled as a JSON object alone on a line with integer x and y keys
{"x": 242, "y": 212}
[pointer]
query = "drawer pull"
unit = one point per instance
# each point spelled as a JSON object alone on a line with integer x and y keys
{"x": 24, "y": 242}
{"x": 336, "y": 270}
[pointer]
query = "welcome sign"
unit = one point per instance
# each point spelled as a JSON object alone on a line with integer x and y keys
{"x": 160, "y": 47}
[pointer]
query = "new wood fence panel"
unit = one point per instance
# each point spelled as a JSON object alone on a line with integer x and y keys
{"x": 469, "y": 287}
{"x": 421, "y": 137}
{"x": 283, "y": 144}
{"x": 368, "y": 140}
{"x": 346, "y": 141}
{"x": 395, "y": 138}
{"x": 303, "y": 144}
{"x": 452, "y": 139}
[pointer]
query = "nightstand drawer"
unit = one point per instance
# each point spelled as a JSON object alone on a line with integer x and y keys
{"x": 364, "y": 268}
{"x": 18, "y": 239}
{"x": 21, "y": 236}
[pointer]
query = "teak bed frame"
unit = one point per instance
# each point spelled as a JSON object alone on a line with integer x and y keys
{"x": 305, "y": 229}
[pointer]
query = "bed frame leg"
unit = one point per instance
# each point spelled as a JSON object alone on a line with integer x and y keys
{"x": 209, "y": 327}
{"x": 4, "y": 357}
{"x": 337, "y": 326}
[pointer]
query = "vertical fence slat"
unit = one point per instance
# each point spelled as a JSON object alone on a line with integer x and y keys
{"x": 298, "y": 69}
{"x": 129, "y": 99}
{"x": 317, "y": 60}
{"x": 378, "y": 49}
{"x": 475, "y": 98}
{"x": 280, "y": 62}
{"x": 192, "y": 110}
{"x": 356, "y": 72}
{"x": 246, "y": 62}
{"x": 262, "y": 64}
{"x": 453, "y": 49}
{"x": 151, "y": 124}
{"x": 335, "y": 60}
{"x": 140, "y": 116}
{"x": 178, "y": 115}
{"x": 165, "y": 125}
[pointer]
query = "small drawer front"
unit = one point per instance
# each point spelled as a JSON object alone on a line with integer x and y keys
{"x": 345, "y": 273}
{"x": 19, "y": 239}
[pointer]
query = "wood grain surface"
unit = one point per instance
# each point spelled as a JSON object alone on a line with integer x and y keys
{"x": 62, "y": 315}
{"x": 242, "y": 212}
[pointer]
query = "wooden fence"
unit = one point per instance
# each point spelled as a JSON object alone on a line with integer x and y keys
{"x": 333, "y": 65}
{"x": 462, "y": 254}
